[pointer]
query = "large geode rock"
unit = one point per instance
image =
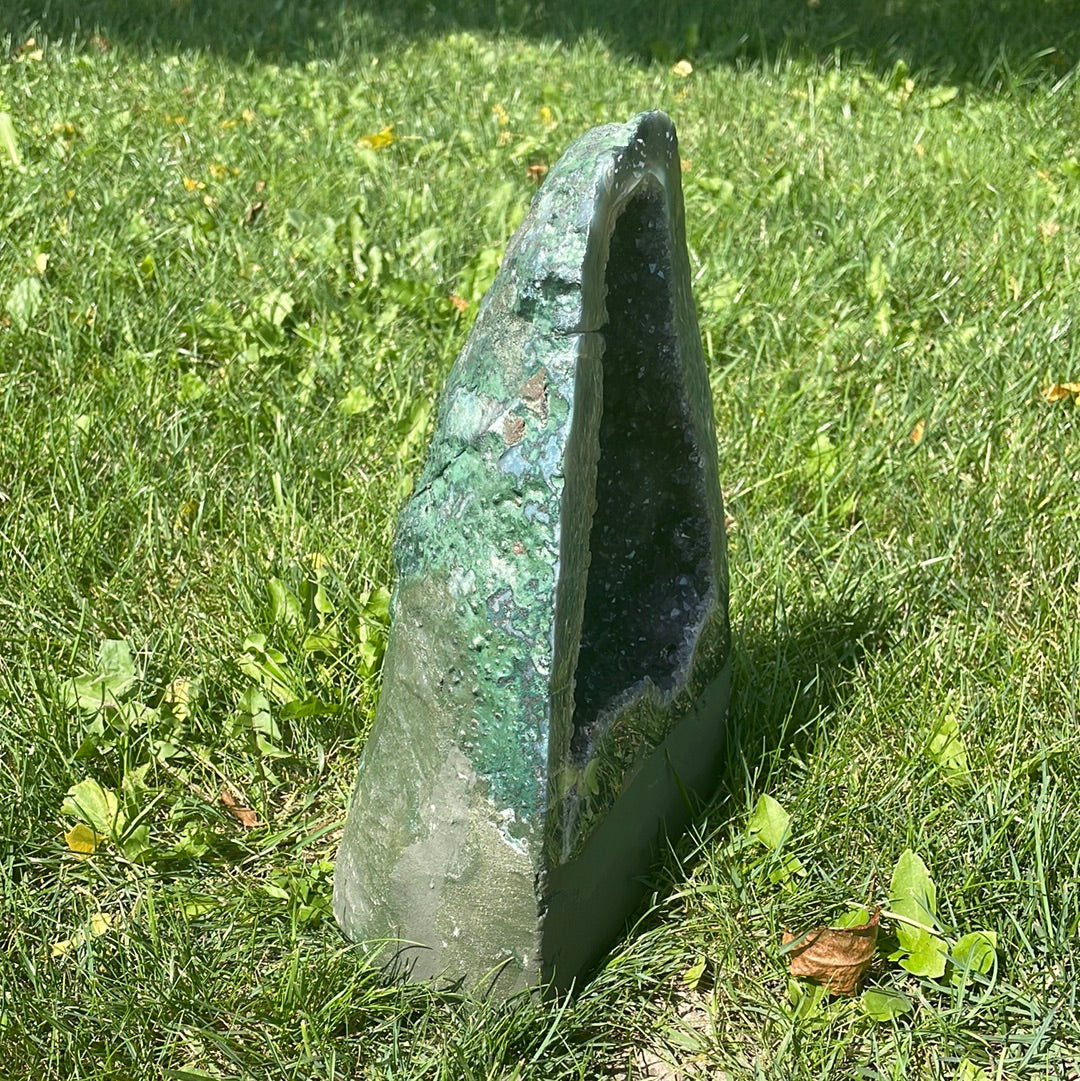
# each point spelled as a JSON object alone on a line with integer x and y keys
{"x": 556, "y": 679}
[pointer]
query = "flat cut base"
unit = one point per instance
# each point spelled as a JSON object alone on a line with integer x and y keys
{"x": 590, "y": 898}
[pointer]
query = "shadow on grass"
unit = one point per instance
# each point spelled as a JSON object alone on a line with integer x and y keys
{"x": 972, "y": 43}
{"x": 787, "y": 676}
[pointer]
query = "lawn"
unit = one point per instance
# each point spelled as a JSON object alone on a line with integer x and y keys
{"x": 241, "y": 246}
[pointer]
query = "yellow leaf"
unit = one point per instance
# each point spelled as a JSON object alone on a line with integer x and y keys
{"x": 100, "y": 922}
{"x": 377, "y": 140}
{"x": 65, "y": 945}
{"x": 918, "y": 431}
{"x": 178, "y": 697}
{"x": 184, "y": 516}
{"x": 683, "y": 69}
{"x": 82, "y": 839}
{"x": 41, "y": 262}
{"x": 1057, "y": 391}
{"x": 248, "y": 116}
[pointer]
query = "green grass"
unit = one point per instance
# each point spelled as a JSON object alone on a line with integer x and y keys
{"x": 210, "y": 415}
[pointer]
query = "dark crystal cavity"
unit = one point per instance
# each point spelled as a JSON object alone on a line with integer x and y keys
{"x": 648, "y": 579}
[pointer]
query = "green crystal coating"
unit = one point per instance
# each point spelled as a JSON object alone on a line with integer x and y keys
{"x": 556, "y": 676}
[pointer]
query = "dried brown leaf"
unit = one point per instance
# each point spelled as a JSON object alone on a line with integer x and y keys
{"x": 242, "y": 813}
{"x": 837, "y": 957}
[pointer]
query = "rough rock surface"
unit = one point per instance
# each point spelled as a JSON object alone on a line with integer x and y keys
{"x": 557, "y": 673}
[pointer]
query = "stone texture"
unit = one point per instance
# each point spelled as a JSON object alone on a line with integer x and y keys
{"x": 556, "y": 679}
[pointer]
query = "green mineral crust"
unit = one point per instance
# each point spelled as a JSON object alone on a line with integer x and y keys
{"x": 556, "y": 678}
